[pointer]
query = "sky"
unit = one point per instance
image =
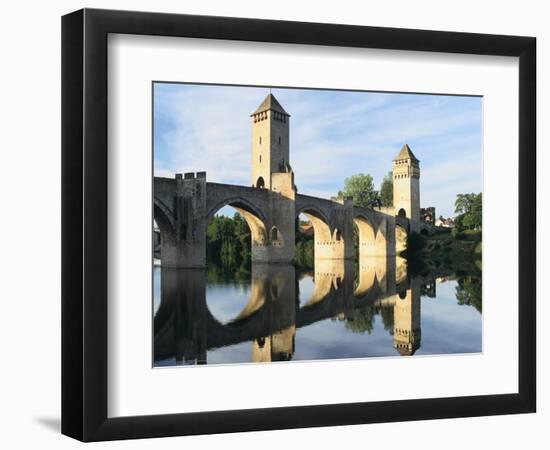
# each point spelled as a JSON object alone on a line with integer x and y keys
{"x": 333, "y": 135}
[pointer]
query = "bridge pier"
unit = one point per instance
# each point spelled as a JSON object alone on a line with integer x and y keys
{"x": 180, "y": 322}
{"x": 278, "y": 245}
{"x": 280, "y": 303}
{"x": 180, "y": 215}
{"x": 406, "y": 313}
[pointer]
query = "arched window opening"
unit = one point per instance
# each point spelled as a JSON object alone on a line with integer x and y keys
{"x": 260, "y": 184}
{"x": 402, "y": 213}
{"x": 274, "y": 234}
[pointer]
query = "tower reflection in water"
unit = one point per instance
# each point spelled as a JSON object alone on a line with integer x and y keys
{"x": 185, "y": 330}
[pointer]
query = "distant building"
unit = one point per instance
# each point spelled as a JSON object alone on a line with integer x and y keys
{"x": 442, "y": 222}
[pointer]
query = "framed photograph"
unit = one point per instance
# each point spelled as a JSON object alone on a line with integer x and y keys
{"x": 273, "y": 224}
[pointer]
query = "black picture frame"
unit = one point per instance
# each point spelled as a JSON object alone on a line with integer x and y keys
{"x": 84, "y": 224}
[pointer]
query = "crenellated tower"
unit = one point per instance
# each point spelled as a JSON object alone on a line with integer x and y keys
{"x": 406, "y": 317}
{"x": 271, "y": 171}
{"x": 406, "y": 184}
{"x": 270, "y": 142}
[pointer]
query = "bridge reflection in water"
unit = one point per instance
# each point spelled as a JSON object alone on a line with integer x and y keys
{"x": 185, "y": 328}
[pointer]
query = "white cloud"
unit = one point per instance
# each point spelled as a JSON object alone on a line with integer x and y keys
{"x": 333, "y": 135}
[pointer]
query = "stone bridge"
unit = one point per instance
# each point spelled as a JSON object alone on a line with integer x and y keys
{"x": 183, "y": 206}
{"x": 185, "y": 328}
{"x": 271, "y": 204}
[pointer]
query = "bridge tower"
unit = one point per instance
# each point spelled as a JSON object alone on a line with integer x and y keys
{"x": 271, "y": 171}
{"x": 406, "y": 316}
{"x": 406, "y": 184}
{"x": 270, "y": 142}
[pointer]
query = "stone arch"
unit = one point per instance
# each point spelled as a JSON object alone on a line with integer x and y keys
{"x": 372, "y": 240}
{"x": 256, "y": 300}
{"x": 315, "y": 211}
{"x": 326, "y": 244}
{"x": 371, "y": 276}
{"x": 237, "y": 202}
{"x": 163, "y": 217}
{"x": 253, "y": 317}
{"x": 252, "y": 215}
{"x": 166, "y": 223}
{"x": 270, "y": 308}
{"x": 324, "y": 217}
{"x": 401, "y": 236}
{"x": 328, "y": 278}
{"x": 320, "y": 222}
{"x": 249, "y": 322}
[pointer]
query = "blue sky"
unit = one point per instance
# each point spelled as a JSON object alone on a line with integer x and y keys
{"x": 333, "y": 134}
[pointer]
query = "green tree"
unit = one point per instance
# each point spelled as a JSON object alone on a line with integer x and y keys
{"x": 304, "y": 250}
{"x": 361, "y": 320}
{"x": 386, "y": 190}
{"x": 468, "y": 292}
{"x": 361, "y": 188}
{"x": 469, "y": 210}
{"x": 228, "y": 241}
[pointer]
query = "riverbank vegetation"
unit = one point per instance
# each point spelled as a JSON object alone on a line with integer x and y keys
{"x": 360, "y": 187}
{"x": 455, "y": 249}
{"x": 447, "y": 251}
{"x": 228, "y": 244}
{"x": 303, "y": 254}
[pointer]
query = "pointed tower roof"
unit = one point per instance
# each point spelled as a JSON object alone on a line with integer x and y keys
{"x": 406, "y": 153}
{"x": 270, "y": 103}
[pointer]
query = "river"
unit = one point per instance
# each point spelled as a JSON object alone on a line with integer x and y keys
{"x": 337, "y": 310}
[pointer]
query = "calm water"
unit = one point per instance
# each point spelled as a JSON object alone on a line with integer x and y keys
{"x": 338, "y": 310}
